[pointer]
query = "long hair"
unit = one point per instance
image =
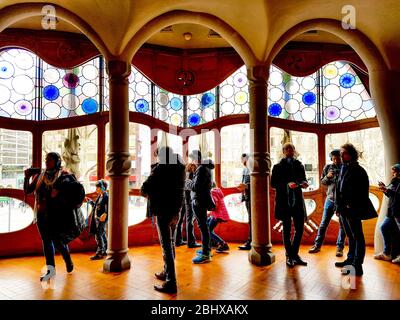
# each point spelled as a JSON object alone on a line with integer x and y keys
{"x": 57, "y": 159}
{"x": 352, "y": 151}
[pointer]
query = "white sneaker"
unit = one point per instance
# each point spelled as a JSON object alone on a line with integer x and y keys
{"x": 382, "y": 256}
{"x": 397, "y": 260}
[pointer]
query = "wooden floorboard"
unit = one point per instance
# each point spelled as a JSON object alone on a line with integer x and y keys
{"x": 228, "y": 277}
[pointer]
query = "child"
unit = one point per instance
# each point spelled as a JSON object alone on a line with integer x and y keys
{"x": 220, "y": 214}
{"x": 391, "y": 224}
{"x": 99, "y": 219}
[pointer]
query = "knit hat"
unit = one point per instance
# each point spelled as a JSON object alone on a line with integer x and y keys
{"x": 396, "y": 167}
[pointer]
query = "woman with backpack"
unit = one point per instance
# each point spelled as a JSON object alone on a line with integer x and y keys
{"x": 51, "y": 210}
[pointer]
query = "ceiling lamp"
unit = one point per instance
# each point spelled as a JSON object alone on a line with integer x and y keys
{"x": 187, "y": 36}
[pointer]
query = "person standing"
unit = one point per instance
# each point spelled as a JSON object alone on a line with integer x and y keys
{"x": 245, "y": 188}
{"x": 390, "y": 227}
{"x": 164, "y": 188}
{"x": 353, "y": 205}
{"x": 99, "y": 220}
{"x": 200, "y": 187}
{"x": 288, "y": 178}
{"x": 329, "y": 177}
{"x": 49, "y": 210}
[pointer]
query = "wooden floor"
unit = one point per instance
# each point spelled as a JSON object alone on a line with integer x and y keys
{"x": 228, "y": 276}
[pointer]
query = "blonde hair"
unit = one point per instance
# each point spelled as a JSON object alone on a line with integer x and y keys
{"x": 287, "y": 144}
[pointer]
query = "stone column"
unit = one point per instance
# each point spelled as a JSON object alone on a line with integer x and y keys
{"x": 118, "y": 167}
{"x": 383, "y": 86}
{"x": 260, "y": 164}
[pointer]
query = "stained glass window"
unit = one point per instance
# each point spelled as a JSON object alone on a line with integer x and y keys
{"x": 292, "y": 98}
{"x": 234, "y": 93}
{"x": 70, "y": 92}
{"x": 201, "y": 108}
{"x": 344, "y": 97}
{"x": 17, "y": 84}
{"x": 169, "y": 107}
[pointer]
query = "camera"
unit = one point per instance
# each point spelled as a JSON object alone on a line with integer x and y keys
{"x": 33, "y": 171}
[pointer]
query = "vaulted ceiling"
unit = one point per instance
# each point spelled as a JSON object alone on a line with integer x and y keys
{"x": 259, "y": 22}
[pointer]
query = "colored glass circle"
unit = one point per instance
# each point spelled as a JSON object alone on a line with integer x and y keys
{"x": 332, "y": 113}
{"x": 24, "y": 60}
{"x": 131, "y": 94}
{"x": 162, "y": 99}
{"x": 275, "y": 109}
{"x": 6, "y": 70}
{"x": 332, "y": 92}
{"x": 194, "y": 119}
{"x": 141, "y": 105}
{"x": 347, "y": 80}
{"x": 352, "y": 101}
{"x": 292, "y": 106}
{"x": 176, "y": 104}
{"x": 309, "y": 98}
{"x": 89, "y": 106}
{"x": 330, "y": 71}
{"x": 5, "y": 94}
{"x": 275, "y": 78}
{"x": 70, "y": 80}
{"x": 308, "y": 83}
{"x": 227, "y": 91}
{"x": 23, "y": 107}
{"x": 51, "y": 92}
{"x": 90, "y": 72}
{"x": 176, "y": 119}
{"x": 227, "y": 108}
{"x": 308, "y": 114}
{"x": 240, "y": 80}
{"x": 275, "y": 94}
{"x": 241, "y": 97}
{"x": 142, "y": 88}
{"x": 292, "y": 87}
{"x": 70, "y": 101}
{"x": 89, "y": 89}
{"x": 194, "y": 104}
{"x": 208, "y": 99}
{"x": 51, "y": 75}
{"x": 22, "y": 84}
{"x": 162, "y": 114}
{"x": 208, "y": 115}
{"x": 52, "y": 110}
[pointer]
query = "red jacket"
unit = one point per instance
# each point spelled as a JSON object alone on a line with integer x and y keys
{"x": 220, "y": 211}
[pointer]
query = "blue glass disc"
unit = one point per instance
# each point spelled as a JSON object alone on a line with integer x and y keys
{"x": 176, "y": 104}
{"x": 51, "y": 92}
{"x": 89, "y": 106}
{"x": 142, "y": 105}
{"x": 309, "y": 98}
{"x": 275, "y": 109}
{"x": 347, "y": 80}
{"x": 208, "y": 99}
{"x": 194, "y": 119}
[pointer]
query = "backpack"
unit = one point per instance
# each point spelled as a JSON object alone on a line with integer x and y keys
{"x": 75, "y": 193}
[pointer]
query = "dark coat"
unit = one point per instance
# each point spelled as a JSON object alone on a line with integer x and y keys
{"x": 201, "y": 184}
{"x": 393, "y": 193}
{"x": 288, "y": 202}
{"x": 246, "y": 180}
{"x": 100, "y": 206}
{"x": 352, "y": 200}
{"x": 164, "y": 189}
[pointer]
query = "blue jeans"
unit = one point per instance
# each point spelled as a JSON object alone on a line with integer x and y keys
{"x": 212, "y": 223}
{"x": 101, "y": 237}
{"x": 329, "y": 208}
{"x": 391, "y": 234}
{"x": 49, "y": 242}
{"x": 166, "y": 229}
{"x": 201, "y": 216}
{"x": 355, "y": 234}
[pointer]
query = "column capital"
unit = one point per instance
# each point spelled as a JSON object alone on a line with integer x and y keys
{"x": 118, "y": 164}
{"x": 260, "y": 163}
{"x": 258, "y": 73}
{"x": 118, "y": 69}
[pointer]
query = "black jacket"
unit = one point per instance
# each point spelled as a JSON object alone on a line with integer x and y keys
{"x": 164, "y": 188}
{"x": 352, "y": 194}
{"x": 201, "y": 184}
{"x": 288, "y": 202}
{"x": 100, "y": 206}
{"x": 393, "y": 193}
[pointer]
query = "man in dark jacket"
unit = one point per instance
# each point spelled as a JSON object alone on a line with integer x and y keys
{"x": 288, "y": 178}
{"x": 164, "y": 188}
{"x": 245, "y": 188}
{"x": 353, "y": 205}
{"x": 329, "y": 177}
{"x": 200, "y": 187}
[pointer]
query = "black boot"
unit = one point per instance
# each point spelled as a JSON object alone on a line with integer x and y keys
{"x": 68, "y": 263}
{"x": 166, "y": 287}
